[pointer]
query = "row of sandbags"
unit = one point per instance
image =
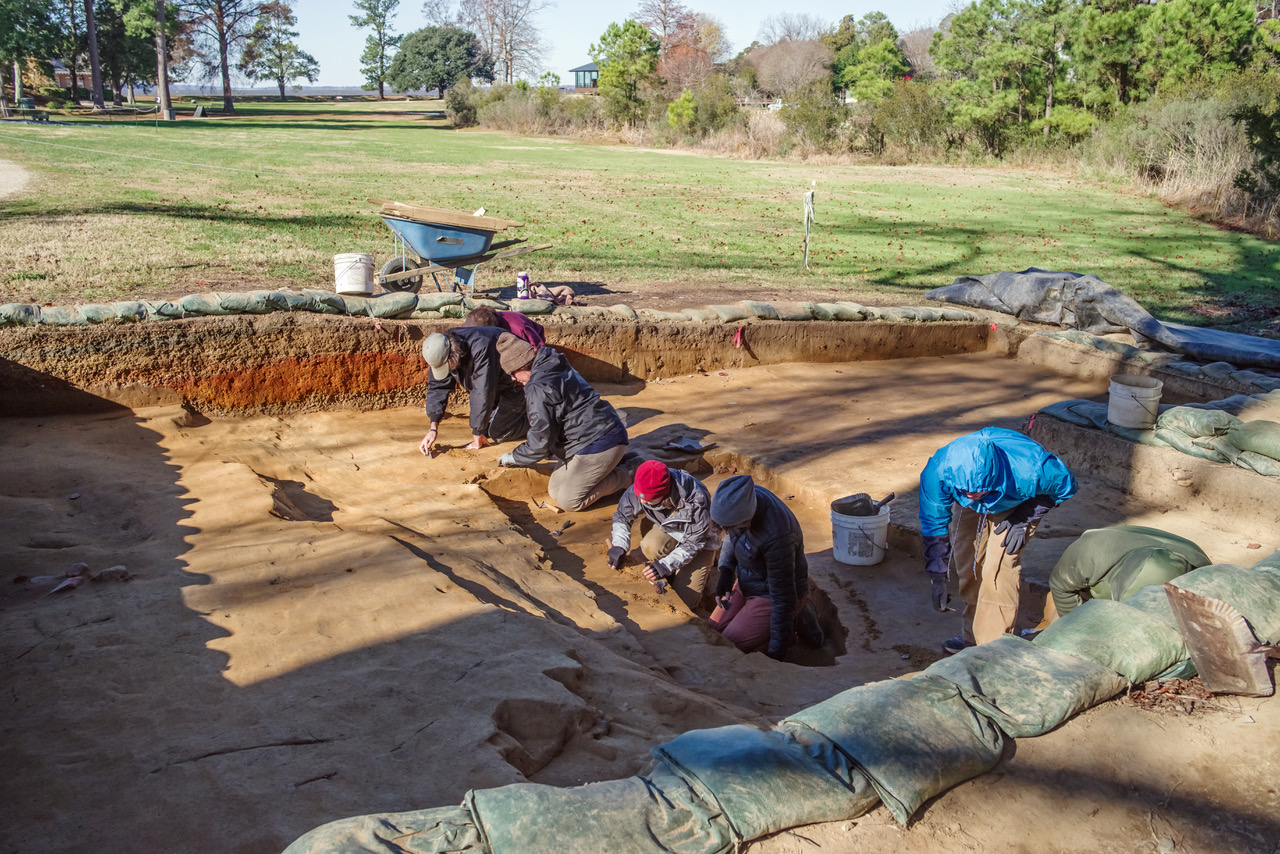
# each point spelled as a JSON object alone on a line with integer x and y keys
{"x": 1212, "y": 372}
{"x": 1212, "y": 431}
{"x": 440, "y": 305}
{"x": 899, "y": 742}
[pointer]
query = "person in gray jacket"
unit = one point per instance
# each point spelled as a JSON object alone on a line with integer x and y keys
{"x": 468, "y": 357}
{"x": 568, "y": 420}
{"x": 680, "y": 546}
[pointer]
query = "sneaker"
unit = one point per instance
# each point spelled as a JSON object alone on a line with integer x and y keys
{"x": 951, "y": 646}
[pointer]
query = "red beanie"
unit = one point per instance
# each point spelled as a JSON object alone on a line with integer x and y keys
{"x": 653, "y": 482}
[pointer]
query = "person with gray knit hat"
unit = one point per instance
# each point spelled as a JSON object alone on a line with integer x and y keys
{"x": 468, "y": 357}
{"x": 764, "y": 578}
{"x": 567, "y": 420}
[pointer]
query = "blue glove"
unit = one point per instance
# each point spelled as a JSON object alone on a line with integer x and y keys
{"x": 507, "y": 460}
{"x": 1016, "y": 525}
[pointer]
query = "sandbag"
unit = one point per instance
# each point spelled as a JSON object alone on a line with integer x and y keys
{"x": 300, "y": 302}
{"x": 434, "y": 302}
{"x": 658, "y": 814}
{"x": 1118, "y": 637}
{"x": 426, "y": 315}
{"x": 265, "y": 302}
{"x": 731, "y": 313}
{"x": 483, "y": 301}
{"x": 1260, "y": 437}
{"x": 701, "y": 315}
{"x": 819, "y": 311}
{"x": 1184, "y": 443}
{"x": 524, "y": 306}
{"x": 446, "y": 830}
{"x": 762, "y": 310}
{"x": 845, "y": 310}
{"x": 957, "y": 314}
{"x": 19, "y": 314}
{"x": 893, "y": 315}
{"x": 395, "y": 304}
{"x": 1196, "y": 422}
{"x": 793, "y": 311}
{"x": 1259, "y": 463}
{"x": 131, "y": 311}
{"x": 61, "y": 315}
{"x": 97, "y": 313}
{"x": 326, "y": 302}
{"x": 914, "y": 738}
{"x": 768, "y": 781}
{"x": 1026, "y": 690}
{"x": 629, "y": 313}
{"x": 199, "y": 305}
{"x": 1255, "y": 593}
{"x": 655, "y": 316}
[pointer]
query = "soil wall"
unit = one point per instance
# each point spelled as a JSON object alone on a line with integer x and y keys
{"x": 281, "y": 363}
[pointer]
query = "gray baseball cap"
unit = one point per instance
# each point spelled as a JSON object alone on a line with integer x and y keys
{"x": 435, "y": 349}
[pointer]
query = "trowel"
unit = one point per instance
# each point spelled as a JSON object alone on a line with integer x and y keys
{"x": 1227, "y": 655}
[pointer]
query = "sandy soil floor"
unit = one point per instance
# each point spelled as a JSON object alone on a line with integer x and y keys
{"x": 322, "y": 622}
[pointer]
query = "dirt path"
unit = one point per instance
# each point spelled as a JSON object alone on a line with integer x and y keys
{"x": 324, "y": 623}
{"x": 13, "y": 179}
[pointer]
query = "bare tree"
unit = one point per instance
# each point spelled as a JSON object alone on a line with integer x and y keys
{"x": 792, "y": 26}
{"x": 665, "y": 19}
{"x": 789, "y": 66}
{"x": 505, "y": 28}
{"x": 915, "y": 47}
{"x": 223, "y": 25}
{"x": 712, "y": 38}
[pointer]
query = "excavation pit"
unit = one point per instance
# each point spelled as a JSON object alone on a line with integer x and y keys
{"x": 324, "y": 623}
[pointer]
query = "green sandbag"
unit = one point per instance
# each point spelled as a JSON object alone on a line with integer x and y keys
{"x": 327, "y": 302}
{"x": 482, "y": 301}
{"x": 1218, "y": 370}
{"x": 457, "y": 312}
{"x": 1141, "y": 437}
{"x": 396, "y": 304}
{"x": 1184, "y": 443}
{"x": 844, "y": 310}
{"x": 769, "y": 781}
{"x": 162, "y": 310}
{"x": 893, "y": 315}
{"x": 1255, "y": 593}
{"x": 199, "y": 305}
{"x": 1196, "y": 422}
{"x": 731, "y": 313}
{"x": 435, "y": 302}
{"x": 300, "y": 302}
{"x": 653, "y": 315}
{"x": 445, "y": 830}
{"x": 956, "y": 314}
{"x": 1270, "y": 563}
{"x": 1086, "y": 413}
{"x": 914, "y": 738}
{"x": 819, "y": 310}
{"x": 426, "y": 315}
{"x": 97, "y": 313}
{"x": 19, "y": 314}
{"x": 1260, "y": 437}
{"x": 658, "y": 814}
{"x": 358, "y": 306}
{"x": 61, "y": 315}
{"x": 762, "y": 310}
{"x": 1259, "y": 463}
{"x": 793, "y": 311}
{"x": 1116, "y": 636}
{"x": 629, "y": 313}
{"x": 701, "y": 315}
{"x": 1116, "y": 562}
{"x": 924, "y": 313}
{"x": 265, "y": 302}
{"x": 524, "y": 306}
{"x": 1026, "y": 690}
{"x": 132, "y": 311}
{"x": 1154, "y": 603}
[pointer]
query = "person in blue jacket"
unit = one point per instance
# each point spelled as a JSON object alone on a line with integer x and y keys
{"x": 982, "y": 485}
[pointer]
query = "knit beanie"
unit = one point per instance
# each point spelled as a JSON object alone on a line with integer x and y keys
{"x": 513, "y": 353}
{"x": 734, "y": 501}
{"x": 435, "y": 349}
{"x": 653, "y": 482}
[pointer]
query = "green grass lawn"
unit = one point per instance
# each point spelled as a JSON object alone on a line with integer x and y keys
{"x": 266, "y": 199}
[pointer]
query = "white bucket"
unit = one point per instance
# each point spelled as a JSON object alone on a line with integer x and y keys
{"x": 860, "y": 540}
{"x": 1134, "y": 401}
{"x": 353, "y": 273}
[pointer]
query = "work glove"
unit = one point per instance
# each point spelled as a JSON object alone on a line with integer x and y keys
{"x": 615, "y": 555}
{"x": 1016, "y": 525}
{"x": 507, "y": 460}
{"x": 937, "y": 559}
{"x": 654, "y": 571}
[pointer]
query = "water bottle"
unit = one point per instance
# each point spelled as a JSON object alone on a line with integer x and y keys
{"x": 522, "y": 285}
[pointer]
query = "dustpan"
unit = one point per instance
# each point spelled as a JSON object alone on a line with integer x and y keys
{"x": 1227, "y": 655}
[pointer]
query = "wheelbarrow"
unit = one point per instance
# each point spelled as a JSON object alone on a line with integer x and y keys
{"x": 443, "y": 242}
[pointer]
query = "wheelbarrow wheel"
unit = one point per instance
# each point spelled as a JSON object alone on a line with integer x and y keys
{"x": 399, "y": 265}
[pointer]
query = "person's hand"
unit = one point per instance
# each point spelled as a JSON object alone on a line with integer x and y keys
{"x": 1019, "y": 521}
{"x": 938, "y": 592}
{"x": 615, "y": 556}
{"x": 1015, "y": 536}
{"x": 723, "y": 601}
{"x": 428, "y": 442}
{"x": 507, "y": 460}
{"x": 477, "y": 442}
{"x": 653, "y": 571}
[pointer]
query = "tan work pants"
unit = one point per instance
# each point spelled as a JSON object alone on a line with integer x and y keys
{"x": 690, "y": 580}
{"x": 587, "y": 478}
{"x": 990, "y": 580}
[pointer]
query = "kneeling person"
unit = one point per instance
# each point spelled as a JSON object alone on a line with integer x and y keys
{"x": 1117, "y": 562}
{"x": 568, "y": 420}
{"x": 679, "y": 547}
{"x": 764, "y": 577}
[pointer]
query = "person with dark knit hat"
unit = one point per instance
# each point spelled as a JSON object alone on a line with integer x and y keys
{"x": 468, "y": 357}
{"x": 679, "y": 547}
{"x": 568, "y": 420}
{"x": 764, "y": 577}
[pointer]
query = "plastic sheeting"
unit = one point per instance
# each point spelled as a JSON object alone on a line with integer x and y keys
{"x": 1085, "y": 302}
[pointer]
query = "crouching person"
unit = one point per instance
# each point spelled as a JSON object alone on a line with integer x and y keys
{"x": 764, "y": 577}
{"x": 679, "y": 548}
{"x": 567, "y": 420}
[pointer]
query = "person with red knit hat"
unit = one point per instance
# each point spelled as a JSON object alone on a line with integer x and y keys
{"x": 680, "y": 546}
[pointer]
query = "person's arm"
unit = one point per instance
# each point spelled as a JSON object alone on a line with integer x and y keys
{"x": 780, "y": 563}
{"x": 694, "y": 537}
{"x": 623, "y": 518}
{"x": 537, "y": 442}
{"x": 429, "y": 440}
{"x": 484, "y": 392}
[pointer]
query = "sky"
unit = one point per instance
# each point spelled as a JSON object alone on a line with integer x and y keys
{"x": 569, "y": 27}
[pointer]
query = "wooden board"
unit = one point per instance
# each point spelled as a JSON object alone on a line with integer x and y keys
{"x": 444, "y": 217}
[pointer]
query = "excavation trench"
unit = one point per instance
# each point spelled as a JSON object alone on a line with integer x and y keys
{"x": 322, "y": 622}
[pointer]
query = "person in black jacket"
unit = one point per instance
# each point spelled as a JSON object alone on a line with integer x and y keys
{"x": 764, "y": 577}
{"x": 567, "y": 419}
{"x": 469, "y": 357}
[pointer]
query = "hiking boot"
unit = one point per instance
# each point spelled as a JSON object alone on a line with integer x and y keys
{"x": 808, "y": 628}
{"x": 951, "y": 646}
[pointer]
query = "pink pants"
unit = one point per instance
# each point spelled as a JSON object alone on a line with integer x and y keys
{"x": 747, "y": 621}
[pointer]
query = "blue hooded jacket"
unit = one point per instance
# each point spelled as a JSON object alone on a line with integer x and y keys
{"x": 1007, "y": 465}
